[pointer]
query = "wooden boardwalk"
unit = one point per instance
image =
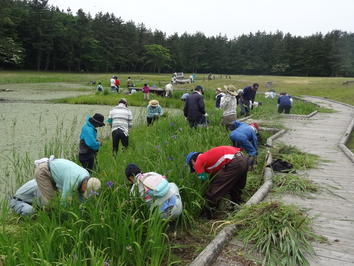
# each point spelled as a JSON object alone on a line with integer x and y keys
{"x": 333, "y": 207}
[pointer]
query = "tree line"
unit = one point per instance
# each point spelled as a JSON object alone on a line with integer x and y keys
{"x": 35, "y": 35}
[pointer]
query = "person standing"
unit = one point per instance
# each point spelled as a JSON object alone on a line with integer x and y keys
{"x": 120, "y": 119}
{"x": 117, "y": 83}
{"x": 168, "y": 90}
{"x": 130, "y": 84}
{"x": 227, "y": 169}
{"x": 146, "y": 91}
{"x": 247, "y": 99}
{"x": 112, "y": 82}
{"x": 228, "y": 104}
{"x": 89, "y": 144}
{"x": 194, "y": 109}
{"x": 65, "y": 177}
{"x": 165, "y": 196}
{"x": 284, "y": 103}
{"x": 154, "y": 111}
{"x": 25, "y": 197}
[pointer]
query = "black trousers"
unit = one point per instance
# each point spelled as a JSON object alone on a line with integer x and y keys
{"x": 117, "y": 136}
{"x": 150, "y": 120}
{"x": 87, "y": 161}
{"x": 285, "y": 108}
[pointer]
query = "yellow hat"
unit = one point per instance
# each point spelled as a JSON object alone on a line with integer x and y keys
{"x": 154, "y": 103}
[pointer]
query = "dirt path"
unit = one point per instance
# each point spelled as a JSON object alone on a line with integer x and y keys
{"x": 334, "y": 210}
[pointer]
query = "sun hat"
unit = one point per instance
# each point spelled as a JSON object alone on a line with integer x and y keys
{"x": 230, "y": 89}
{"x": 154, "y": 103}
{"x": 92, "y": 186}
{"x": 218, "y": 90}
{"x": 255, "y": 125}
{"x": 97, "y": 120}
{"x": 123, "y": 100}
{"x": 132, "y": 170}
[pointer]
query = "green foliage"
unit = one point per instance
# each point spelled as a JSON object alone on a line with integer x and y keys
{"x": 293, "y": 184}
{"x": 350, "y": 143}
{"x": 157, "y": 56}
{"x": 281, "y": 233}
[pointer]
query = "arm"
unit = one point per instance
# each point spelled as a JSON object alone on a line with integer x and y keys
{"x": 185, "y": 109}
{"x": 160, "y": 110}
{"x": 130, "y": 119}
{"x": 90, "y": 139}
{"x": 201, "y": 104}
{"x": 110, "y": 120}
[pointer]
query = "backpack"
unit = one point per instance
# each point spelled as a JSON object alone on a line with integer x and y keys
{"x": 155, "y": 184}
{"x": 279, "y": 165}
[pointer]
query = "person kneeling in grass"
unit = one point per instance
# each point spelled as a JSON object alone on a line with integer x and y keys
{"x": 284, "y": 103}
{"x": 227, "y": 168}
{"x": 25, "y": 198}
{"x": 244, "y": 136}
{"x": 65, "y": 177}
{"x": 154, "y": 111}
{"x": 155, "y": 190}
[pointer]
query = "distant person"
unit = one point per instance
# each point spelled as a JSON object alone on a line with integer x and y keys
{"x": 130, "y": 84}
{"x": 247, "y": 99}
{"x": 219, "y": 94}
{"x": 228, "y": 104}
{"x": 25, "y": 198}
{"x": 65, "y": 177}
{"x": 99, "y": 87}
{"x": 117, "y": 83}
{"x": 146, "y": 91}
{"x": 89, "y": 144}
{"x": 284, "y": 103}
{"x": 168, "y": 90}
{"x": 154, "y": 111}
{"x": 194, "y": 109}
{"x": 120, "y": 119}
{"x": 156, "y": 191}
{"x": 270, "y": 94}
{"x": 227, "y": 169}
{"x": 112, "y": 82}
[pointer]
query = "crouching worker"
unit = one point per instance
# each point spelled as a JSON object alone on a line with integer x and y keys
{"x": 156, "y": 191}
{"x": 65, "y": 177}
{"x": 227, "y": 168}
{"x": 25, "y": 198}
{"x": 244, "y": 136}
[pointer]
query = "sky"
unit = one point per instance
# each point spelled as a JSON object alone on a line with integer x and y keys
{"x": 226, "y": 17}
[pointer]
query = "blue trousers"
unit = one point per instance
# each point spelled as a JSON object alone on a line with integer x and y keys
{"x": 21, "y": 207}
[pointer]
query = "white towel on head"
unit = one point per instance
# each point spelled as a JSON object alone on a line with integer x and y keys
{"x": 43, "y": 160}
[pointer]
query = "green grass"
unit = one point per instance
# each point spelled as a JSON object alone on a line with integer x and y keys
{"x": 293, "y": 184}
{"x": 331, "y": 88}
{"x": 350, "y": 143}
{"x": 281, "y": 233}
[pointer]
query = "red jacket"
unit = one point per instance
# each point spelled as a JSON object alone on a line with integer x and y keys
{"x": 214, "y": 159}
{"x": 117, "y": 82}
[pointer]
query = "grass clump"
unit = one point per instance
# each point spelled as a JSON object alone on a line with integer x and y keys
{"x": 281, "y": 233}
{"x": 300, "y": 160}
{"x": 293, "y": 184}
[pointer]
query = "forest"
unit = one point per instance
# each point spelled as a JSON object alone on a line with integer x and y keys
{"x": 37, "y": 36}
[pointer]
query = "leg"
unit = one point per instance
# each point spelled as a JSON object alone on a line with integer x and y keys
{"x": 115, "y": 141}
{"x": 287, "y": 109}
{"x": 149, "y": 120}
{"x": 125, "y": 140}
{"x": 21, "y": 207}
{"x": 280, "y": 109}
{"x": 45, "y": 182}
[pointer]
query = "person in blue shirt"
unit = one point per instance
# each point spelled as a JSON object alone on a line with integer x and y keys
{"x": 89, "y": 145}
{"x": 244, "y": 136}
{"x": 67, "y": 178}
{"x": 284, "y": 103}
{"x": 248, "y": 97}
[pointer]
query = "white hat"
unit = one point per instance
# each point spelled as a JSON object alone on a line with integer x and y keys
{"x": 92, "y": 186}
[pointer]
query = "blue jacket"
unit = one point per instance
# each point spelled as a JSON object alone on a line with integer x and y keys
{"x": 245, "y": 136}
{"x": 67, "y": 176}
{"x": 89, "y": 135}
{"x": 249, "y": 94}
{"x": 284, "y": 100}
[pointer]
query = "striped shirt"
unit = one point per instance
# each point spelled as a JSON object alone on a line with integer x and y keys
{"x": 121, "y": 117}
{"x": 214, "y": 159}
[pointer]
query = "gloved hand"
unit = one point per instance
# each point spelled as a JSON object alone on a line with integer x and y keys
{"x": 206, "y": 114}
{"x": 203, "y": 176}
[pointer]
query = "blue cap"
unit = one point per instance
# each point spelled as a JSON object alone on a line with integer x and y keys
{"x": 188, "y": 160}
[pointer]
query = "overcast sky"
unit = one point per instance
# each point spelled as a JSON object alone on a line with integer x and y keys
{"x": 230, "y": 17}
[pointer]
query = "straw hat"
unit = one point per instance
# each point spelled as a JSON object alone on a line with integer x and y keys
{"x": 230, "y": 89}
{"x": 218, "y": 90}
{"x": 92, "y": 186}
{"x": 154, "y": 103}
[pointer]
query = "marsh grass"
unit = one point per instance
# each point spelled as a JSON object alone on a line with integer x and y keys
{"x": 294, "y": 184}
{"x": 350, "y": 143}
{"x": 281, "y": 233}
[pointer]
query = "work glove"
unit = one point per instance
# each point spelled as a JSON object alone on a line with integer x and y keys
{"x": 203, "y": 176}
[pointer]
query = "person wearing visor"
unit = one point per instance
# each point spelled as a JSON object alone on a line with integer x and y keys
{"x": 244, "y": 136}
{"x": 155, "y": 190}
{"x": 65, "y": 177}
{"x": 227, "y": 169}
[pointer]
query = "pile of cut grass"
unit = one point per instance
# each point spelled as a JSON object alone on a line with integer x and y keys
{"x": 281, "y": 233}
{"x": 293, "y": 184}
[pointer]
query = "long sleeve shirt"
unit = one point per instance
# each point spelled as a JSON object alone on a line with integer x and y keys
{"x": 214, "y": 159}
{"x": 284, "y": 100}
{"x": 67, "y": 176}
{"x": 121, "y": 117}
{"x": 228, "y": 103}
{"x": 89, "y": 135}
{"x": 154, "y": 111}
{"x": 249, "y": 94}
{"x": 245, "y": 136}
